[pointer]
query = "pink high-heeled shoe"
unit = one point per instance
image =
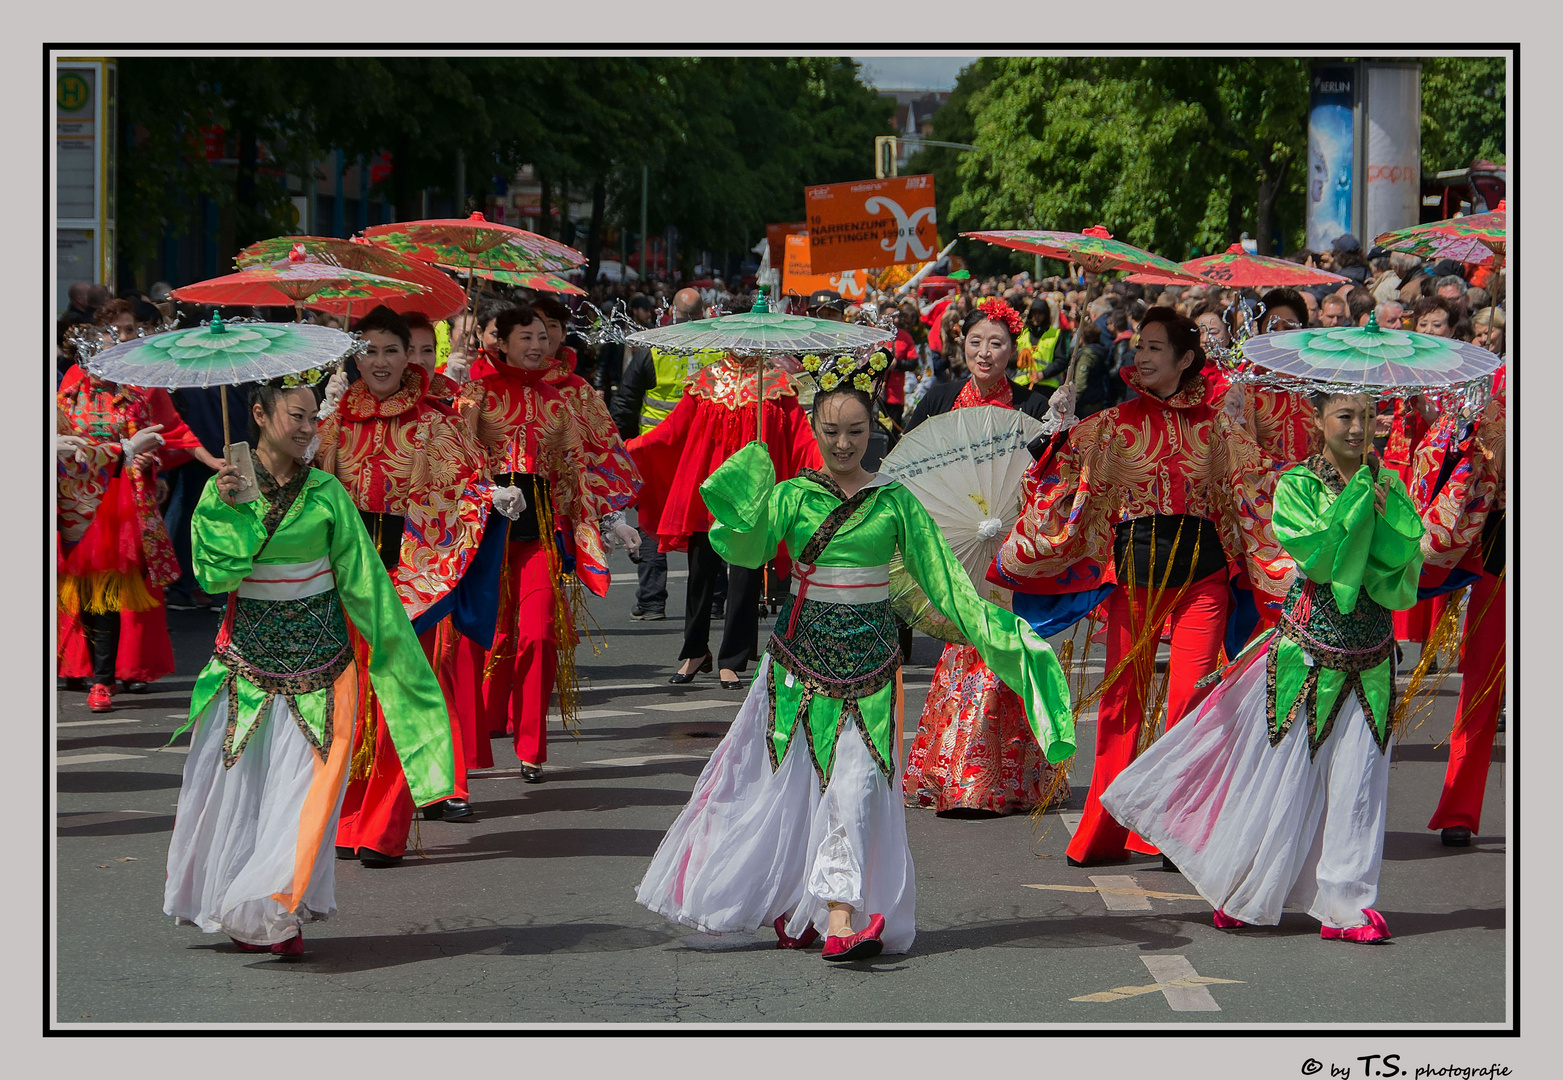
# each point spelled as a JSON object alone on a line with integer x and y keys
{"x": 294, "y": 946}
{"x": 1224, "y": 921}
{"x": 860, "y": 946}
{"x": 803, "y": 941}
{"x": 1371, "y": 932}
{"x": 245, "y": 946}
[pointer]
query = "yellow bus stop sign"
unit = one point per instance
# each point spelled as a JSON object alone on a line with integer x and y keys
{"x": 72, "y": 92}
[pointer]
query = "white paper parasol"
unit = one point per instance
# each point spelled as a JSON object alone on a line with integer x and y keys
{"x": 966, "y": 468}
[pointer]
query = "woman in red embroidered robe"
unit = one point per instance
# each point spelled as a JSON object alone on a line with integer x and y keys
{"x": 712, "y": 421}
{"x": 1143, "y": 503}
{"x": 974, "y": 754}
{"x": 416, "y": 475}
{"x": 574, "y": 491}
{"x": 1460, "y": 490}
{"x": 115, "y": 554}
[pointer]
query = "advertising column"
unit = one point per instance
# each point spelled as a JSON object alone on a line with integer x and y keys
{"x": 1394, "y": 151}
{"x": 85, "y": 125}
{"x": 1331, "y": 153}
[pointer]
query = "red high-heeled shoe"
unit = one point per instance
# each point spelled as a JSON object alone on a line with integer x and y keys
{"x": 862, "y": 945}
{"x": 1224, "y": 921}
{"x": 809, "y": 936}
{"x": 1372, "y": 932}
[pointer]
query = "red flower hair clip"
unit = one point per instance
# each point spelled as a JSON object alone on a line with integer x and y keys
{"x": 999, "y": 311}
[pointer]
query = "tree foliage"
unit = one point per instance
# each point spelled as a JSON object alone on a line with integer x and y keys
{"x": 1464, "y": 106}
{"x": 730, "y": 141}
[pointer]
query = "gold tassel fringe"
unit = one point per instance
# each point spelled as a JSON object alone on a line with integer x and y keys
{"x": 1416, "y": 704}
{"x": 103, "y": 592}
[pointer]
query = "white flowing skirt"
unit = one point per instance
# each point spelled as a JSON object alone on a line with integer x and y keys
{"x": 238, "y": 832}
{"x": 753, "y": 844}
{"x": 1257, "y": 828}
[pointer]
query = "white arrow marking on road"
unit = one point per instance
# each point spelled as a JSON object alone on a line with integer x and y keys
{"x": 625, "y": 579}
{"x": 648, "y": 759}
{"x": 1183, "y": 989}
{"x": 1153, "y": 893}
{"x": 1071, "y": 821}
{"x": 89, "y": 759}
{"x": 687, "y": 706}
{"x": 96, "y": 723}
{"x": 595, "y": 714}
{"x": 1120, "y": 892}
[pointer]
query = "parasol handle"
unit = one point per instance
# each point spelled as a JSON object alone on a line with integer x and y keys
{"x": 226, "y": 439}
{"x": 759, "y": 398}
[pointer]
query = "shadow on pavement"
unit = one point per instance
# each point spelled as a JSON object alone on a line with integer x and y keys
{"x": 346, "y": 955}
{"x": 1083, "y": 932}
{"x": 543, "y": 844}
{"x": 132, "y": 826}
{"x": 1416, "y": 846}
{"x": 85, "y": 781}
{"x": 545, "y": 800}
{"x": 1439, "y": 752}
{"x": 1415, "y": 923}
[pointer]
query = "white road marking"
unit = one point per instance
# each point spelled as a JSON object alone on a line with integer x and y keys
{"x": 1155, "y": 894}
{"x": 78, "y": 821}
{"x": 647, "y": 759}
{"x": 98, "y": 723}
{"x": 185, "y": 749}
{"x": 1071, "y": 821}
{"x": 89, "y": 759}
{"x": 689, "y": 706}
{"x": 593, "y": 687}
{"x": 595, "y": 714}
{"x": 1120, "y": 892}
{"x": 1177, "y": 979}
{"x": 627, "y": 579}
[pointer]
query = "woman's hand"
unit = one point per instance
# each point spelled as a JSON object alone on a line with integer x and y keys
{"x": 509, "y": 501}
{"x": 70, "y": 447}
{"x": 457, "y": 365}
{"x": 230, "y": 483}
{"x": 142, "y": 442}
{"x": 1380, "y": 493}
{"x": 629, "y": 537}
{"x": 1233, "y": 403}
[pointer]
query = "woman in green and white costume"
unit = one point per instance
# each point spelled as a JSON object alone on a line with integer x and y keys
{"x": 1274, "y": 793}
{"x": 274, "y": 709}
{"x": 797, "y": 821}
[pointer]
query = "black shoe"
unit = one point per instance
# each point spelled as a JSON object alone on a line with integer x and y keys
{"x": 648, "y": 614}
{"x": 377, "y": 860}
{"x": 346, "y": 852}
{"x": 135, "y": 687}
{"x": 179, "y": 603}
{"x": 735, "y": 684}
{"x": 718, "y": 611}
{"x": 1501, "y": 718}
{"x": 679, "y": 678}
{"x": 449, "y": 810}
{"x": 77, "y": 684}
{"x": 530, "y": 774}
{"x": 1459, "y": 836}
{"x": 1072, "y": 861}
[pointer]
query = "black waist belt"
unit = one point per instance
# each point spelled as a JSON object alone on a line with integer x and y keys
{"x": 1151, "y": 542}
{"x": 534, "y": 489}
{"x": 385, "y": 532}
{"x": 1495, "y": 552}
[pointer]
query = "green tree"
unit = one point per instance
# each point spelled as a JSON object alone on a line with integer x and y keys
{"x": 1464, "y": 105}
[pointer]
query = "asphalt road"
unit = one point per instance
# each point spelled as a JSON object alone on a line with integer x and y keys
{"x": 525, "y": 913}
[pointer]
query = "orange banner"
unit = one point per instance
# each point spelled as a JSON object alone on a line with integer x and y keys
{"x": 798, "y": 277}
{"x": 870, "y": 223}
{"x": 777, "y": 236}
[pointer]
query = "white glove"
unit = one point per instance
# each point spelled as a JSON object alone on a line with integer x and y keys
{"x": 509, "y": 501}
{"x": 456, "y": 368}
{"x": 1232, "y": 405}
{"x": 70, "y": 446}
{"x": 336, "y": 386}
{"x": 142, "y": 441}
{"x": 628, "y": 537}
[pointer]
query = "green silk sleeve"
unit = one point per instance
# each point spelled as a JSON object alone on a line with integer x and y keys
{"x": 1022, "y": 660}
{"x": 739, "y": 495}
{"x": 226, "y": 540}
{"x": 410, "y": 698}
{"x": 1328, "y": 540}
{"x": 1395, "y": 557}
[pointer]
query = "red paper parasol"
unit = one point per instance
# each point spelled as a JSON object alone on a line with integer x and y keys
{"x": 296, "y": 280}
{"x": 1095, "y": 250}
{"x": 476, "y": 243}
{"x": 441, "y": 299}
{"x": 1237, "y": 269}
{"x": 1475, "y": 238}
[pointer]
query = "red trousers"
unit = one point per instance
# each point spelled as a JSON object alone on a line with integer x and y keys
{"x": 377, "y": 810}
{"x": 1416, "y": 623}
{"x": 145, "y": 652}
{"x": 508, "y": 688}
{"x": 1485, "y": 652}
{"x": 1198, "y": 617}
